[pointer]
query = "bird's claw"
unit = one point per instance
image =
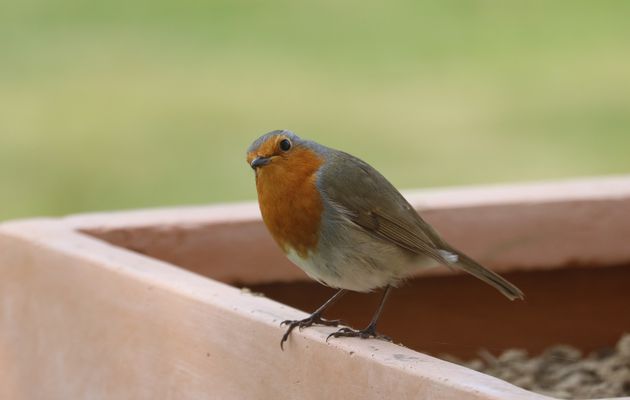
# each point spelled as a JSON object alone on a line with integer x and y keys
{"x": 369, "y": 332}
{"x": 305, "y": 323}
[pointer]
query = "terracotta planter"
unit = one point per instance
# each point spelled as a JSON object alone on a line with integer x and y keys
{"x": 140, "y": 304}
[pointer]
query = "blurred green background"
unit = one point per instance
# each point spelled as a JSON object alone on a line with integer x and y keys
{"x": 124, "y": 104}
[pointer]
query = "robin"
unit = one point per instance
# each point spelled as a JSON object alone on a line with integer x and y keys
{"x": 346, "y": 226}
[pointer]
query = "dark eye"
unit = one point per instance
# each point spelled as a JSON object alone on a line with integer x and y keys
{"x": 285, "y": 145}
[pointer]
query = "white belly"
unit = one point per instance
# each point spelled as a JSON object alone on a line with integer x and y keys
{"x": 306, "y": 265}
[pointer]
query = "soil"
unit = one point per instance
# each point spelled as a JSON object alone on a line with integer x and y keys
{"x": 561, "y": 371}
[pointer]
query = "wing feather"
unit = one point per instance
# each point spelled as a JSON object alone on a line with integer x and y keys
{"x": 366, "y": 198}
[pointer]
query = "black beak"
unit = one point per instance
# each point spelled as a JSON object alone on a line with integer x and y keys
{"x": 259, "y": 162}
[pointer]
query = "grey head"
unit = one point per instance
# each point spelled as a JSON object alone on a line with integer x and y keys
{"x": 270, "y": 144}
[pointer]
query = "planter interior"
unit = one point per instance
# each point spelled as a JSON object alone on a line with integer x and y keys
{"x": 458, "y": 315}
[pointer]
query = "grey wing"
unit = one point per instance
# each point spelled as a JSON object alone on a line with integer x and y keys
{"x": 362, "y": 195}
{"x": 368, "y": 199}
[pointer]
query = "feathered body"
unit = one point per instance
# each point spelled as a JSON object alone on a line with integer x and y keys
{"x": 342, "y": 222}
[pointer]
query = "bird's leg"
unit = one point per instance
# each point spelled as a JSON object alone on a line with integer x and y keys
{"x": 370, "y": 330}
{"x": 314, "y": 318}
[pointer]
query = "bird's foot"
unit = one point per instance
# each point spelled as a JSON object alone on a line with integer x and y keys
{"x": 313, "y": 319}
{"x": 369, "y": 332}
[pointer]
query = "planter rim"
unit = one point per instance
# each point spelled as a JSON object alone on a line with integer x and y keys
{"x": 414, "y": 370}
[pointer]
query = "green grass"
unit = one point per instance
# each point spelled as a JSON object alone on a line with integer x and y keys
{"x": 125, "y": 104}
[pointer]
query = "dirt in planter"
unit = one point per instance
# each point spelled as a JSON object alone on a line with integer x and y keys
{"x": 561, "y": 371}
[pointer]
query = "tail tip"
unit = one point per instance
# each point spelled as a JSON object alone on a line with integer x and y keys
{"x": 516, "y": 295}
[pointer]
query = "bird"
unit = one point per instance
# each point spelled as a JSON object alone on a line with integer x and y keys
{"x": 346, "y": 226}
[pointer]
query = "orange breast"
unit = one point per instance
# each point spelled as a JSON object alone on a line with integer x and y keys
{"x": 289, "y": 201}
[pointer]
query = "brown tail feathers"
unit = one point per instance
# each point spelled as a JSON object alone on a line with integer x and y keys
{"x": 462, "y": 261}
